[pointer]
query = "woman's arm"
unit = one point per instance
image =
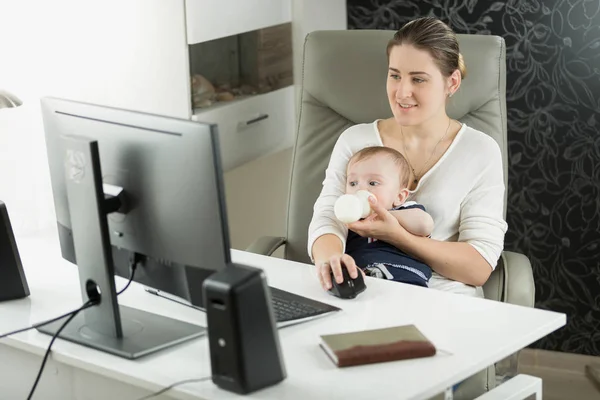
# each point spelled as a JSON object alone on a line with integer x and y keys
{"x": 458, "y": 261}
{"x": 325, "y": 247}
{"x": 326, "y": 234}
{"x": 329, "y": 256}
{"x": 324, "y": 221}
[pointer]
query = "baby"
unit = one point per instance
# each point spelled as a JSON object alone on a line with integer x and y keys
{"x": 384, "y": 172}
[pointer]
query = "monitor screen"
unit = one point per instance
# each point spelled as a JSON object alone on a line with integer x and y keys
{"x": 134, "y": 192}
{"x": 171, "y": 175}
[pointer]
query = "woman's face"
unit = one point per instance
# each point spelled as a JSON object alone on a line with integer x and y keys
{"x": 416, "y": 89}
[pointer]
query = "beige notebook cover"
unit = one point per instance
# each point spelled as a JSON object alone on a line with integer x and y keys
{"x": 377, "y": 345}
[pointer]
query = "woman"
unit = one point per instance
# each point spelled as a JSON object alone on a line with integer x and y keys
{"x": 456, "y": 171}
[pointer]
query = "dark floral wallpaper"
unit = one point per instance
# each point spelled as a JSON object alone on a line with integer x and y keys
{"x": 553, "y": 99}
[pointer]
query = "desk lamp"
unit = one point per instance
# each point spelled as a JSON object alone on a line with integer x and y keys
{"x": 9, "y": 100}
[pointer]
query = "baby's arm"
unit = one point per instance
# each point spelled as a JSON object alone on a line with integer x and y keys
{"x": 415, "y": 220}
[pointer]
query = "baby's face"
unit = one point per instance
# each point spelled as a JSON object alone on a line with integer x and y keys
{"x": 377, "y": 174}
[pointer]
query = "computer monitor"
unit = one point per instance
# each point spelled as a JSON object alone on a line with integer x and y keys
{"x": 134, "y": 186}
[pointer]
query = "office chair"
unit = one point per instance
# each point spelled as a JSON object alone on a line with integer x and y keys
{"x": 344, "y": 75}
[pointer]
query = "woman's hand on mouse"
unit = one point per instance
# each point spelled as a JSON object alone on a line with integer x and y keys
{"x": 381, "y": 224}
{"x": 335, "y": 263}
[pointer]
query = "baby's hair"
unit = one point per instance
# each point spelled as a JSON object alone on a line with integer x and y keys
{"x": 394, "y": 155}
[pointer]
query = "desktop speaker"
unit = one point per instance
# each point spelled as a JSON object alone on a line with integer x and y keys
{"x": 243, "y": 338}
{"x": 13, "y": 284}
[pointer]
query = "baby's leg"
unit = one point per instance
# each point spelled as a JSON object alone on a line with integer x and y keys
{"x": 378, "y": 271}
{"x": 406, "y": 274}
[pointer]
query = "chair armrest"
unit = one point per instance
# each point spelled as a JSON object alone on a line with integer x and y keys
{"x": 493, "y": 288}
{"x": 512, "y": 281}
{"x": 519, "y": 286}
{"x": 266, "y": 245}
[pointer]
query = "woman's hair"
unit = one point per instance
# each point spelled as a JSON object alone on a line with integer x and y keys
{"x": 394, "y": 155}
{"x": 437, "y": 38}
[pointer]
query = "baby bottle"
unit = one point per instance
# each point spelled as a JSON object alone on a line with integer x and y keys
{"x": 352, "y": 207}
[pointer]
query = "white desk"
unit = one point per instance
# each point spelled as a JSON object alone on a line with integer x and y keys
{"x": 476, "y": 332}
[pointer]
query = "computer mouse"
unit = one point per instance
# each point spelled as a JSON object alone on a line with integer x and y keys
{"x": 349, "y": 288}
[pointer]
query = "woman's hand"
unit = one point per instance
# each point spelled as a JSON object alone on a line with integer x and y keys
{"x": 336, "y": 263}
{"x": 381, "y": 224}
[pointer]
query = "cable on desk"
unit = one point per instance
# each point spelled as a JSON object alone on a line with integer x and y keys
{"x": 135, "y": 259}
{"x": 39, "y": 324}
{"x": 88, "y": 304}
{"x": 204, "y": 378}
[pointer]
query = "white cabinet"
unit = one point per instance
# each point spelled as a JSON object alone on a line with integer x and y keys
{"x": 211, "y": 19}
{"x": 253, "y": 127}
{"x": 241, "y": 57}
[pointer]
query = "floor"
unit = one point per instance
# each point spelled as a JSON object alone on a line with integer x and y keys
{"x": 256, "y": 195}
{"x": 564, "y": 375}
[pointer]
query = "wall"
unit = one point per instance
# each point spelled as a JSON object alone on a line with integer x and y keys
{"x": 309, "y": 16}
{"x": 553, "y": 100}
{"x": 105, "y": 52}
{"x": 129, "y": 54}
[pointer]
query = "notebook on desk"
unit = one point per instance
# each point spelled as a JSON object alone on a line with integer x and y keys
{"x": 288, "y": 308}
{"x": 377, "y": 345}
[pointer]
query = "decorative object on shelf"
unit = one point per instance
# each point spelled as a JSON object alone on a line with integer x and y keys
{"x": 9, "y": 100}
{"x": 234, "y": 67}
{"x": 205, "y": 93}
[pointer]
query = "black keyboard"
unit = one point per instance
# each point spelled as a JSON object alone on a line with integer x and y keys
{"x": 289, "y": 306}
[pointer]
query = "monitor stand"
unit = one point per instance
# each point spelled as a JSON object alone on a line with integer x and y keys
{"x": 119, "y": 330}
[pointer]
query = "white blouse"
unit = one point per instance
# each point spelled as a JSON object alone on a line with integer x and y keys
{"x": 463, "y": 192}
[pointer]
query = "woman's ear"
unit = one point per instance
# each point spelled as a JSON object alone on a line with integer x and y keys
{"x": 402, "y": 196}
{"x": 454, "y": 82}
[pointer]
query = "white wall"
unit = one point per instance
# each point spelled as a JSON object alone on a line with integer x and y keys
{"x": 24, "y": 176}
{"x": 124, "y": 53}
{"x": 309, "y": 16}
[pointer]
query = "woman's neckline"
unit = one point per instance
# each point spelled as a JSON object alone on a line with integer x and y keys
{"x": 442, "y": 158}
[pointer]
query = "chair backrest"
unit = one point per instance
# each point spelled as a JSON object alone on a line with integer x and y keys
{"x": 344, "y": 76}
